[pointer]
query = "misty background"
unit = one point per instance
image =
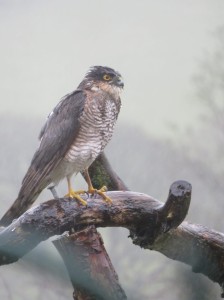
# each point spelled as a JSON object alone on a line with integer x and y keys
{"x": 171, "y": 56}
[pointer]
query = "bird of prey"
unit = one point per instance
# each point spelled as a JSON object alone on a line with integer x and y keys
{"x": 75, "y": 133}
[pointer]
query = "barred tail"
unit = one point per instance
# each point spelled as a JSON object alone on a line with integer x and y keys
{"x": 20, "y": 205}
{"x": 27, "y": 195}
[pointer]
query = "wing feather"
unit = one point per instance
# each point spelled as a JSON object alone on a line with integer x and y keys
{"x": 57, "y": 135}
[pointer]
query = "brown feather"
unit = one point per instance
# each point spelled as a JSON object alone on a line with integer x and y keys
{"x": 57, "y": 136}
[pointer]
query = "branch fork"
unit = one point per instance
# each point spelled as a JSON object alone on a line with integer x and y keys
{"x": 153, "y": 225}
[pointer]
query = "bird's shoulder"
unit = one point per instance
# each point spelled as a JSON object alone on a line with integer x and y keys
{"x": 71, "y": 105}
{"x": 60, "y": 130}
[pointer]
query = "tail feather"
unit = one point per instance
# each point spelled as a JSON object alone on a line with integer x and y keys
{"x": 27, "y": 195}
{"x": 20, "y": 205}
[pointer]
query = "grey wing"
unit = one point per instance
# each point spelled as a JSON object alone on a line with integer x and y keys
{"x": 57, "y": 135}
{"x": 43, "y": 129}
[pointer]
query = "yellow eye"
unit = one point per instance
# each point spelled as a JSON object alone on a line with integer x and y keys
{"x": 106, "y": 77}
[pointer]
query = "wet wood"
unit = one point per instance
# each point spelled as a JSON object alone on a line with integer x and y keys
{"x": 135, "y": 211}
{"x": 153, "y": 225}
{"x": 54, "y": 217}
{"x": 89, "y": 266}
{"x": 101, "y": 173}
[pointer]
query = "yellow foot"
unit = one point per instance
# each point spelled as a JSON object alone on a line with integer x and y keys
{"x": 100, "y": 192}
{"x": 75, "y": 195}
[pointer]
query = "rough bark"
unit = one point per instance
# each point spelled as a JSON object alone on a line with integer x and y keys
{"x": 54, "y": 217}
{"x": 101, "y": 174}
{"x": 89, "y": 266}
{"x": 195, "y": 245}
{"x": 152, "y": 224}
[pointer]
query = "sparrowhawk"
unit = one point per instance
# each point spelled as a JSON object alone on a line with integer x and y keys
{"x": 75, "y": 133}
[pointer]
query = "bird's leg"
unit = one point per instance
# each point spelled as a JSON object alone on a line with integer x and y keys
{"x": 73, "y": 194}
{"x": 92, "y": 190}
{"x": 53, "y": 191}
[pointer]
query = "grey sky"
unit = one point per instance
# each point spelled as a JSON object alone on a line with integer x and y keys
{"x": 47, "y": 46}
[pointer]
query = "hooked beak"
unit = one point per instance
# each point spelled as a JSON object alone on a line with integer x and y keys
{"x": 119, "y": 82}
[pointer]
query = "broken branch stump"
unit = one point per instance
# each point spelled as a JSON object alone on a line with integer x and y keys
{"x": 89, "y": 266}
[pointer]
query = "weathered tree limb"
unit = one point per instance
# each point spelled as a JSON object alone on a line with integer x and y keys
{"x": 101, "y": 173}
{"x": 55, "y": 217}
{"x": 89, "y": 266}
{"x": 131, "y": 210}
{"x": 148, "y": 219}
{"x": 70, "y": 247}
{"x": 195, "y": 245}
{"x": 153, "y": 225}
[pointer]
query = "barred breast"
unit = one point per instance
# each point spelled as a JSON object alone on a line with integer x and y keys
{"x": 97, "y": 125}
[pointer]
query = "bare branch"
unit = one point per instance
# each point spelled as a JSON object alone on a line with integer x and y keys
{"x": 195, "y": 245}
{"x": 129, "y": 209}
{"x": 89, "y": 266}
{"x": 55, "y": 217}
{"x": 101, "y": 173}
{"x": 149, "y": 220}
{"x": 75, "y": 244}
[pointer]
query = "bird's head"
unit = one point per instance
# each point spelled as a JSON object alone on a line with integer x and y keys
{"x": 103, "y": 76}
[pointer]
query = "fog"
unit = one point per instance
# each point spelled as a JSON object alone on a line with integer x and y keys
{"x": 170, "y": 56}
{"x": 47, "y": 46}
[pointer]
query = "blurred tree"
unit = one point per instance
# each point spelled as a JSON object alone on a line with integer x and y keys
{"x": 209, "y": 83}
{"x": 205, "y": 146}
